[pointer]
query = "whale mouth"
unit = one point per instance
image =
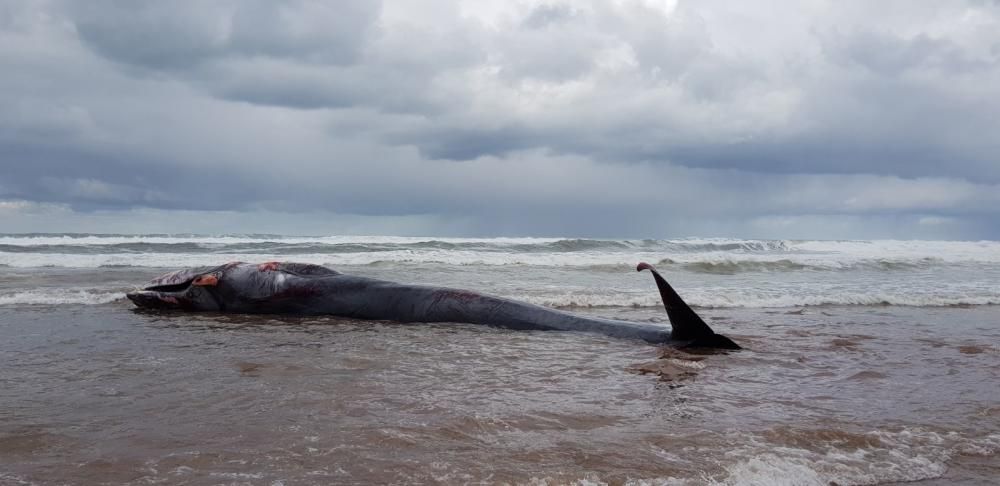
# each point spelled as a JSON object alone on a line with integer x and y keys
{"x": 160, "y": 296}
{"x": 151, "y": 299}
{"x": 171, "y": 288}
{"x": 202, "y": 280}
{"x": 185, "y": 289}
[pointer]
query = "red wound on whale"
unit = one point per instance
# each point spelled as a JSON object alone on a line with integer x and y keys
{"x": 206, "y": 280}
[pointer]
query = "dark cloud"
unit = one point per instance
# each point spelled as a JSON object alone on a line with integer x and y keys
{"x": 185, "y": 34}
{"x": 94, "y": 179}
{"x": 892, "y": 55}
{"x": 153, "y": 35}
{"x": 280, "y": 83}
{"x": 303, "y": 54}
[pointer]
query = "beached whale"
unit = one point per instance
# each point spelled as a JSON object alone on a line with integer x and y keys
{"x": 299, "y": 288}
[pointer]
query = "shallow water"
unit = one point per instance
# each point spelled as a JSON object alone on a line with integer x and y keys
{"x": 93, "y": 394}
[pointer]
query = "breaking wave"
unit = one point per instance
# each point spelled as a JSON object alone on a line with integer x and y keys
{"x": 824, "y": 457}
{"x": 871, "y": 248}
{"x": 737, "y": 298}
{"x": 723, "y": 256}
{"x": 62, "y": 296}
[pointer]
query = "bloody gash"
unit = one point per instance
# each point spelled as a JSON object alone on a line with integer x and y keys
{"x": 305, "y": 289}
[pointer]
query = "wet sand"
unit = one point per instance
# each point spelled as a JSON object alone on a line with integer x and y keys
{"x": 104, "y": 394}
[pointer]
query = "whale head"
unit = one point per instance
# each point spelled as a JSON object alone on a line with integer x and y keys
{"x": 190, "y": 289}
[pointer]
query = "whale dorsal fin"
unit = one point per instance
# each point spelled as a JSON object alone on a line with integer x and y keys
{"x": 687, "y": 325}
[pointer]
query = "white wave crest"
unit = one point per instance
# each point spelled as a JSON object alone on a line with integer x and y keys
{"x": 742, "y": 298}
{"x": 65, "y": 240}
{"x": 61, "y": 296}
{"x": 690, "y": 250}
{"x": 887, "y": 456}
{"x": 791, "y": 297}
{"x": 177, "y": 260}
{"x": 697, "y": 263}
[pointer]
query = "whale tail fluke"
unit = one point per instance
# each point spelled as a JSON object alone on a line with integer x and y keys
{"x": 686, "y": 324}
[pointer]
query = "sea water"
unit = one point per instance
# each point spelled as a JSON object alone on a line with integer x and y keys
{"x": 866, "y": 362}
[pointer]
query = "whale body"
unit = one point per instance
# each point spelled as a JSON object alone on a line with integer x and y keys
{"x": 306, "y": 289}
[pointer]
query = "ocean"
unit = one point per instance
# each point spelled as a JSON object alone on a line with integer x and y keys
{"x": 866, "y": 362}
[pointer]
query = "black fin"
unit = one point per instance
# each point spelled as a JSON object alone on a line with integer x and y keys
{"x": 687, "y": 326}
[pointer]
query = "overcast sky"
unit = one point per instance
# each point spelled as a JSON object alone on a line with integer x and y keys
{"x": 618, "y": 118}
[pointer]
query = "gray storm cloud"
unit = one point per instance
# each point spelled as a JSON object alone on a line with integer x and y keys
{"x": 604, "y": 118}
